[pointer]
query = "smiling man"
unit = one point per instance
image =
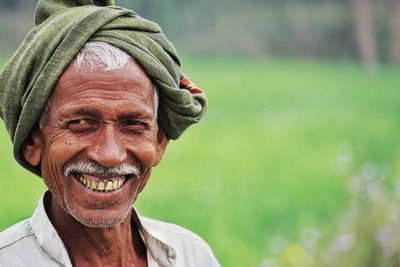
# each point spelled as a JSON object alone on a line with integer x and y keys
{"x": 91, "y": 99}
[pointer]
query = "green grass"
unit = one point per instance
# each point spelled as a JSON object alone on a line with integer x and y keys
{"x": 264, "y": 161}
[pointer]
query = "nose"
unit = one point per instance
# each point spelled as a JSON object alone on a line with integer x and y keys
{"x": 107, "y": 148}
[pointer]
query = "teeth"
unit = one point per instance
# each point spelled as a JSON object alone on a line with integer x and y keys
{"x": 114, "y": 185}
{"x": 100, "y": 186}
{"x": 109, "y": 186}
{"x": 93, "y": 185}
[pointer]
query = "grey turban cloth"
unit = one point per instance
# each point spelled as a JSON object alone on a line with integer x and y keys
{"x": 62, "y": 27}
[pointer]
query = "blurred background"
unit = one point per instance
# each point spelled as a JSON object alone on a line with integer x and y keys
{"x": 297, "y": 162}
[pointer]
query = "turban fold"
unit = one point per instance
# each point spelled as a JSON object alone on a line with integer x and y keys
{"x": 62, "y": 27}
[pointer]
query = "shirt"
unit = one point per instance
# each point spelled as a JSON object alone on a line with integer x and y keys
{"x": 35, "y": 242}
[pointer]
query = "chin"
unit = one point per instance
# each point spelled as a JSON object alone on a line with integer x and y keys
{"x": 98, "y": 218}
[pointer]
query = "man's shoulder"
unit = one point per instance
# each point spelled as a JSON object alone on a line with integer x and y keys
{"x": 15, "y": 233}
{"x": 164, "y": 230}
{"x": 181, "y": 239}
{"x": 19, "y": 247}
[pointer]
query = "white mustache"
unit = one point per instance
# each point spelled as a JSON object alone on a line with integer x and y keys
{"x": 99, "y": 170}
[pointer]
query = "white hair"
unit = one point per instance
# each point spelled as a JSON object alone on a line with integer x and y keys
{"x": 99, "y": 55}
{"x": 95, "y": 54}
{"x": 96, "y": 169}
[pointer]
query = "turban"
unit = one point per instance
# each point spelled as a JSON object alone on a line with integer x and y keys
{"x": 62, "y": 27}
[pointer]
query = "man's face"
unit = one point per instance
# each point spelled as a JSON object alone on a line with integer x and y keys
{"x": 100, "y": 119}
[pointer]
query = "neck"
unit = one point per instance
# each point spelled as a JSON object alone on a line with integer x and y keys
{"x": 120, "y": 245}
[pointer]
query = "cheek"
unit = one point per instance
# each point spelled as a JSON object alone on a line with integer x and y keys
{"x": 57, "y": 152}
{"x": 64, "y": 146}
{"x": 72, "y": 144}
{"x": 52, "y": 176}
{"x": 145, "y": 152}
{"x": 145, "y": 179}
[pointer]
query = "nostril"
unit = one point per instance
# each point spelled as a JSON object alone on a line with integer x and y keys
{"x": 107, "y": 147}
{"x": 108, "y": 153}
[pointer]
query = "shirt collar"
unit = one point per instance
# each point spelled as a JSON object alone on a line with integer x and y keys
{"x": 50, "y": 241}
{"x": 46, "y": 234}
{"x": 162, "y": 253}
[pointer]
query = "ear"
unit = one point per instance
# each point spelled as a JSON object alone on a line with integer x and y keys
{"x": 32, "y": 148}
{"x": 162, "y": 142}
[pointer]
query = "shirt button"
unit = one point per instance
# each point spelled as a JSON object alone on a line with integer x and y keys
{"x": 171, "y": 254}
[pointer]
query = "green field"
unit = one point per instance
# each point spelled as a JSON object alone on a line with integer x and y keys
{"x": 273, "y": 156}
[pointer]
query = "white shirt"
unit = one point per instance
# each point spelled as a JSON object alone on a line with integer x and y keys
{"x": 35, "y": 242}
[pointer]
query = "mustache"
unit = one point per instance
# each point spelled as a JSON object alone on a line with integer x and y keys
{"x": 99, "y": 170}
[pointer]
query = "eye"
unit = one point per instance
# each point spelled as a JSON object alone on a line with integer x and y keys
{"x": 80, "y": 125}
{"x": 133, "y": 125}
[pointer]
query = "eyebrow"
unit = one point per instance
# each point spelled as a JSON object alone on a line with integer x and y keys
{"x": 143, "y": 115}
{"x": 87, "y": 112}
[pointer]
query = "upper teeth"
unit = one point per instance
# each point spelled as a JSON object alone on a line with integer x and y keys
{"x": 108, "y": 185}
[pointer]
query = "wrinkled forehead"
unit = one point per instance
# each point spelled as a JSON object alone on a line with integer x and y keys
{"x": 75, "y": 79}
{"x": 132, "y": 72}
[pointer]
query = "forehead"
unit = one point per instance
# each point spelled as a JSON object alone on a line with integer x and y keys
{"x": 130, "y": 83}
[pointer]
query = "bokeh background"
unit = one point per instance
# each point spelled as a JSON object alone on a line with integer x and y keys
{"x": 297, "y": 162}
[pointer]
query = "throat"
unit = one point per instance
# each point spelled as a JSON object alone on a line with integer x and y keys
{"x": 120, "y": 245}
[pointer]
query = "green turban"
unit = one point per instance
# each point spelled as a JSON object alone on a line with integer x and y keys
{"x": 62, "y": 27}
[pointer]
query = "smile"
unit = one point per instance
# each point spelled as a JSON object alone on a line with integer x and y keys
{"x": 94, "y": 184}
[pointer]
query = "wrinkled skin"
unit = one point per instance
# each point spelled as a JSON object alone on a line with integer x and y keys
{"x": 105, "y": 117}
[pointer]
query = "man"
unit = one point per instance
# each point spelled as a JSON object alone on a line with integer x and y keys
{"x": 91, "y": 99}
